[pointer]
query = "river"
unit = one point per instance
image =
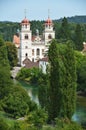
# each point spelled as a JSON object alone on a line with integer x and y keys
{"x": 80, "y": 114}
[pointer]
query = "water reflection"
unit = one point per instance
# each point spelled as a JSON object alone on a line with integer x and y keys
{"x": 80, "y": 114}
{"x": 32, "y": 91}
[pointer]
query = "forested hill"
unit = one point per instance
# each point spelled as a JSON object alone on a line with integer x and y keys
{"x": 75, "y": 19}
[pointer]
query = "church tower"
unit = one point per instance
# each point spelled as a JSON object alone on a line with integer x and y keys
{"x": 49, "y": 33}
{"x": 25, "y": 41}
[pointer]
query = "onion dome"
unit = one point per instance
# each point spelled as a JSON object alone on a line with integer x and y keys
{"x": 25, "y": 21}
{"x": 48, "y": 22}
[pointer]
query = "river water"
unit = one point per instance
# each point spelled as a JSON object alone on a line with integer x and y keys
{"x": 80, "y": 114}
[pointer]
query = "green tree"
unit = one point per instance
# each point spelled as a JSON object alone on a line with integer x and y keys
{"x": 53, "y": 89}
{"x": 78, "y": 40}
{"x": 18, "y": 103}
{"x": 68, "y": 90}
{"x": 62, "y": 90}
{"x": 5, "y": 80}
{"x": 64, "y": 32}
{"x": 3, "y": 124}
{"x": 12, "y": 54}
{"x": 43, "y": 90}
{"x": 81, "y": 71}
{"x": 37, "y": 118}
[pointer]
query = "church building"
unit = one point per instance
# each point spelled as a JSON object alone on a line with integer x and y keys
{"x": 31, "y": 49}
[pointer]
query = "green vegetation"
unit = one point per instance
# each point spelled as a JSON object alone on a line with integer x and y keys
{"x": 62, "y": 81}
{"x": 12, "y": 54}
{"x": 57, "y": 88}
{"x": 81, "y": 71}
{"x": 64, "y": 32}
{"x": 29, "y": 75}
{"x": 5, "y": 81}
{"x": 78, "y": 39}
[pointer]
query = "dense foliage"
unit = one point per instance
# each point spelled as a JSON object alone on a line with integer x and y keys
{"x": 81, "y": 71}
{"x": 18, "y": 103}
{"x": 30, "y": 75}
{"x": 13, "y": 99}
{"x": 62, "y": 91}
{"x": 78, "y": 39}
{"x": 5, "y": 81}
{"x": 12, "y": 54}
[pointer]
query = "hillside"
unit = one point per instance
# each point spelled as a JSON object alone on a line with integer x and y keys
{"x": 75, "y": 19}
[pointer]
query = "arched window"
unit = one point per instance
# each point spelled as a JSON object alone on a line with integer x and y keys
{"x": 38, "y": 51}
{"x": 26, "y": 36}
{"x": 49, "y": 36}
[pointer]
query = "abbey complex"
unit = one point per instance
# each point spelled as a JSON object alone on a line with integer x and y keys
{"x": 32, "y": 48}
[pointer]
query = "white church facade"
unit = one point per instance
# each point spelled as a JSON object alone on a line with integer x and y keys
{"x": 34, "y": 48}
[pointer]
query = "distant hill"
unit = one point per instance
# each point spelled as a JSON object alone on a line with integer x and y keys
{"x": 75, "y": 19}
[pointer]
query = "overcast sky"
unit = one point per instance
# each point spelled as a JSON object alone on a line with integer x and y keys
{"x": 13, "y": 10}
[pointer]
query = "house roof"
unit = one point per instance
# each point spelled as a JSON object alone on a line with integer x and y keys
{"x": 30, "y": 64}
{"x": 44, "y": 59}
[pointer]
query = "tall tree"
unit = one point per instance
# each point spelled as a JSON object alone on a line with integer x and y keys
{"x": 64, "y": 32}
{"x": 62, "y": 90}
{"x": 5, "y": 80}
{"x": 78, "y": 40}
{"x": 54, "y": 78}
{"x": 12, "y": 54}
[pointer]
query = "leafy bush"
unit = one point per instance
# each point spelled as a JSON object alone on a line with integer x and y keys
{"x": 18, "y": 103}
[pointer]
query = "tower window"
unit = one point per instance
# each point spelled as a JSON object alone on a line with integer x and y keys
{"x": 49, "y": 37}
{"x": 38, "y": 52}
{"x": 26, "y": 36}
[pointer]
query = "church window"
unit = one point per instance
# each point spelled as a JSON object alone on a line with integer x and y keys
{"x": 49, "y": 36}
{"x": 26, "y": 36}
{"x": 32, "y": 52}
{"x": 38, "y": 51}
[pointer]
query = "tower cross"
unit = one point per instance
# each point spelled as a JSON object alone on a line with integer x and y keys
{"x": 48, "y": 13}
{"x": 25, "y": 12}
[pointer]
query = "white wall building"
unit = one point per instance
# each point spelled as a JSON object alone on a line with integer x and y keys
{"x": 34, "y": 49}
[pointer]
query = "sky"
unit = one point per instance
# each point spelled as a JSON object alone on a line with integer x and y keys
{"x": 14, "y": 10}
